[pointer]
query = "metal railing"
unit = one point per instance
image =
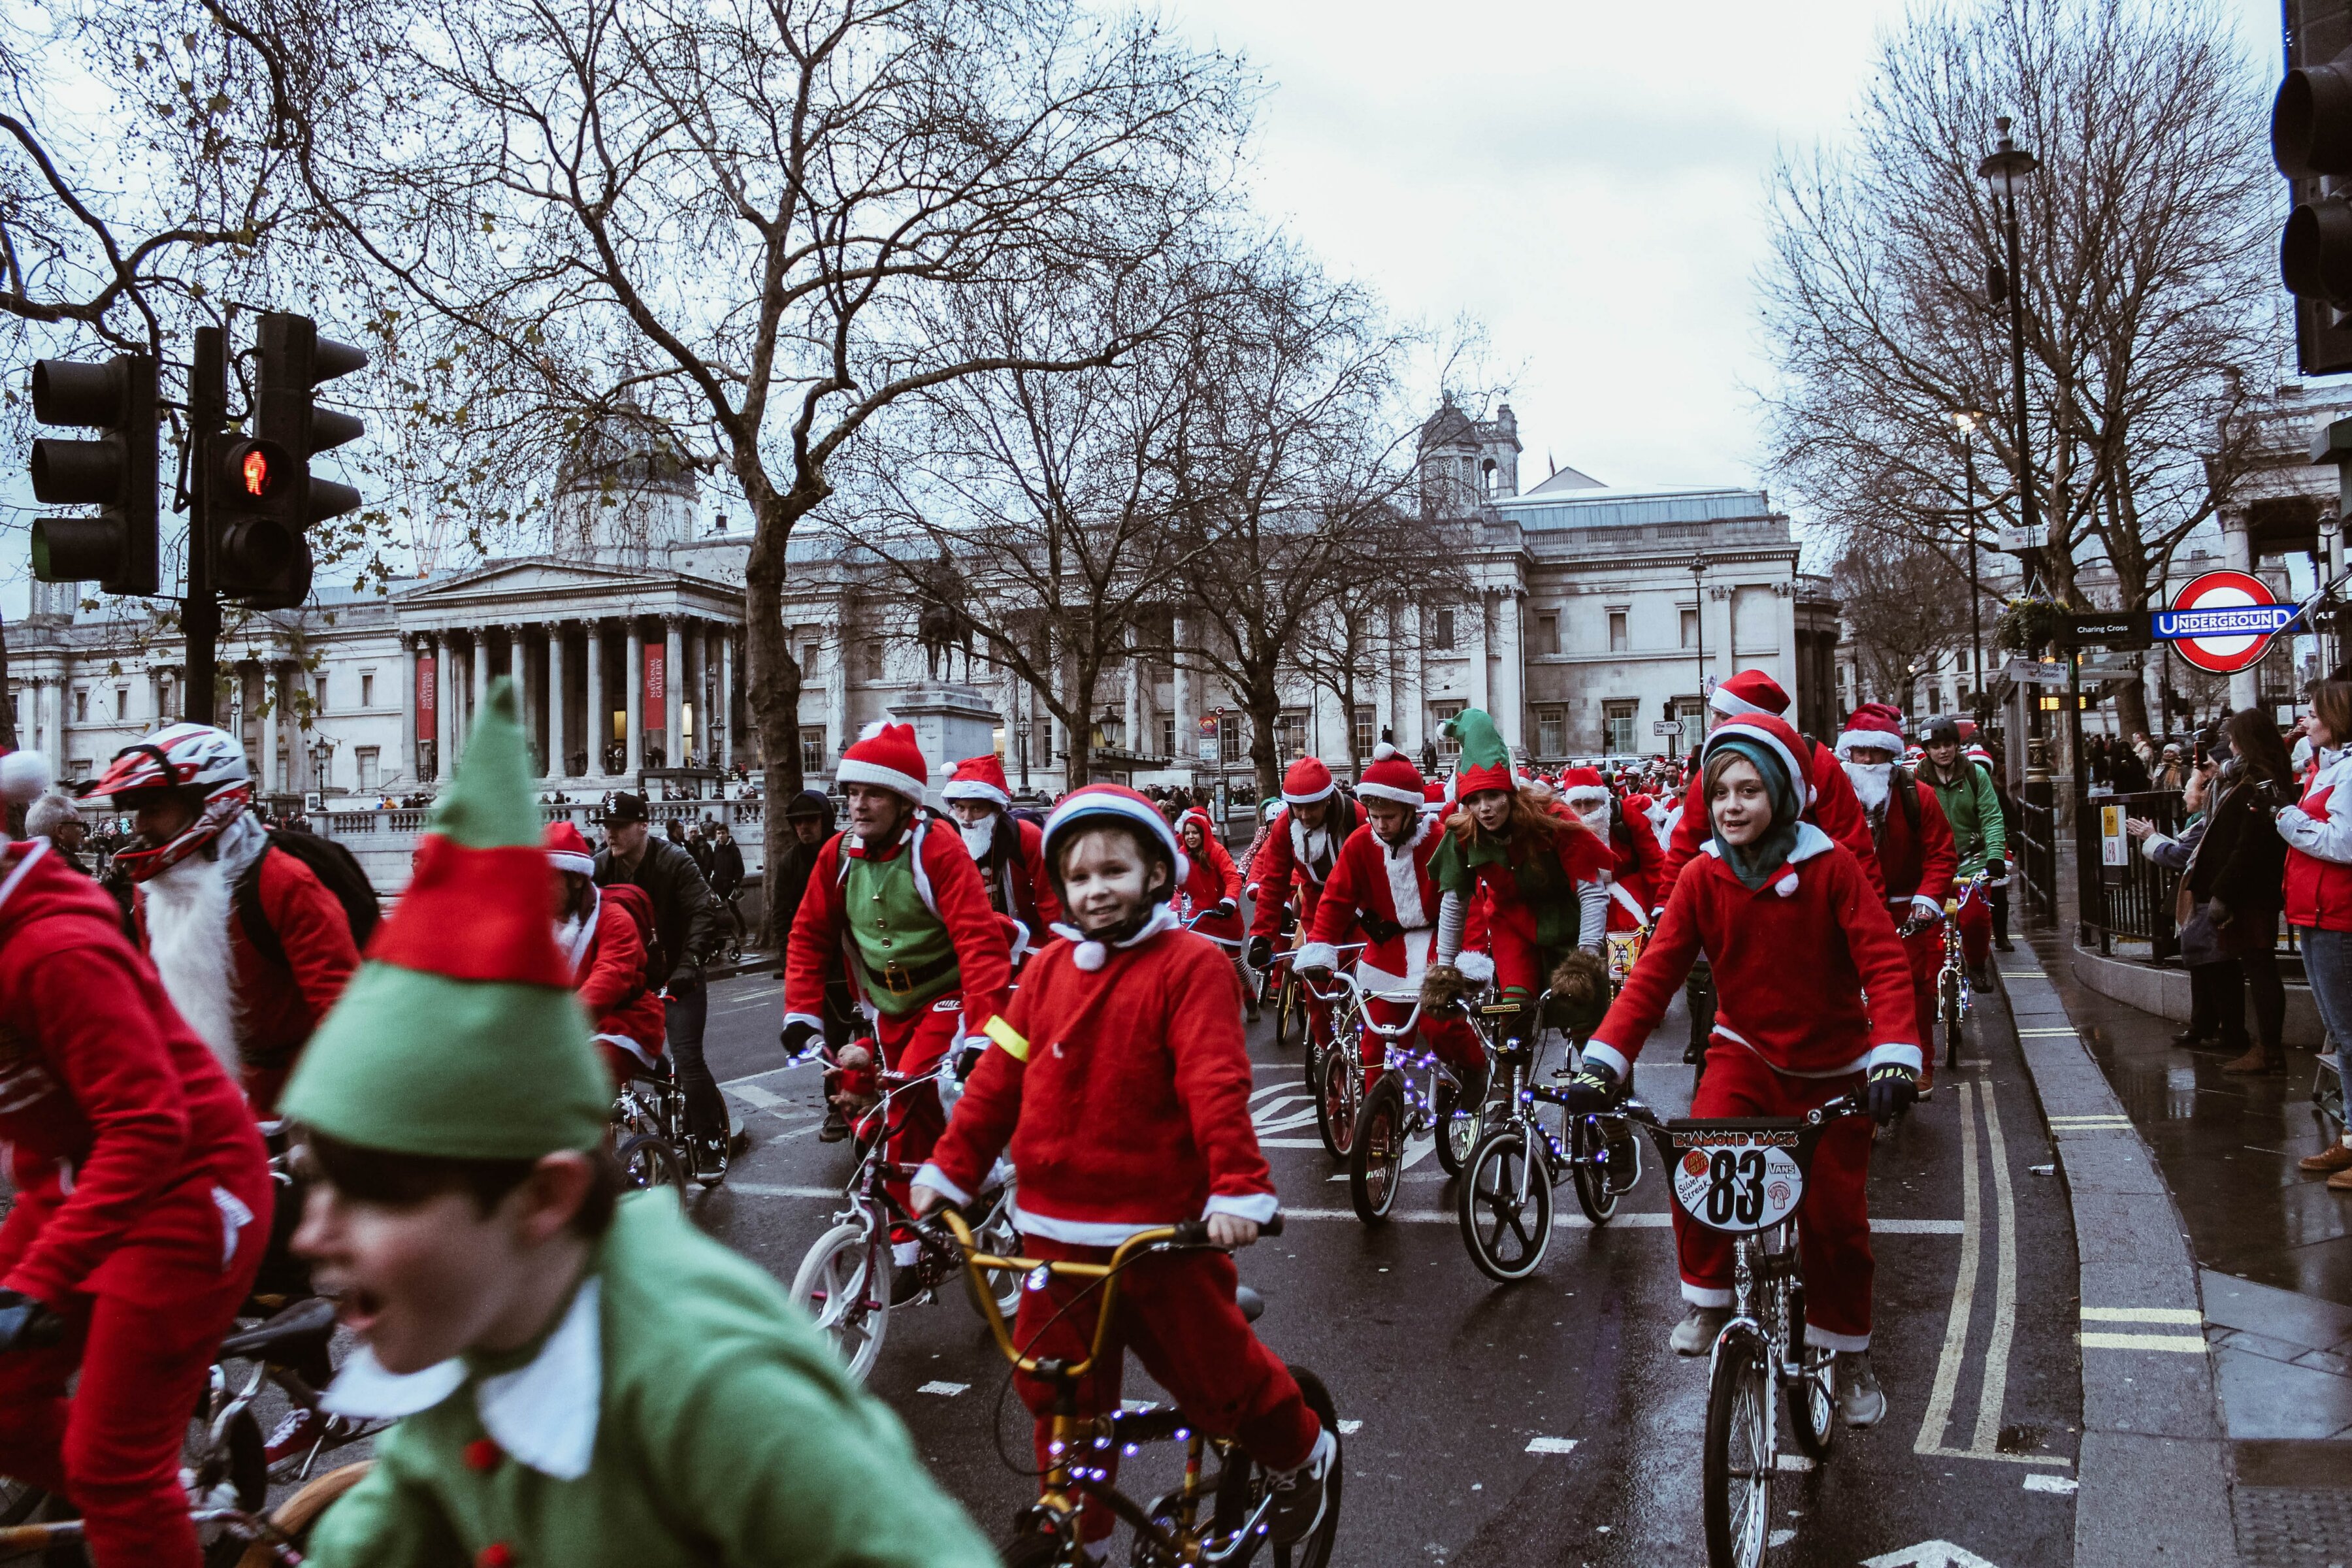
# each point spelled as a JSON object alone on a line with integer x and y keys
{"x": 2132, "y": 901}
{"x": 2035, "y": 834}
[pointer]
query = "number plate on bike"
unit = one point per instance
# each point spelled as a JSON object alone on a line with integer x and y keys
{"x": 1736, "y": 1180}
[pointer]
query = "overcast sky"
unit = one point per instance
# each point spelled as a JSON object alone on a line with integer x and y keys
{"x": 1585, "y": 178}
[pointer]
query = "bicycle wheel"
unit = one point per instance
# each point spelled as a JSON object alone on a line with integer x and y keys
{"x": 1458, "y": 1131}
{"x": 1738, "y": 1466}
{"x": 1338, "y": 1097}
{"x": 299, "y": 1514}
{"x": 1288, "y": 1015}
{"x": 1376, "y": 1161}
{"x": 647, "y": 1162}
{"x": 843, "y": 1285}
{"x": 1031, "y": 1549}
{"x": 1314, "y": 1551}
{"x": 1504, "y": 1206}
{"x": 1595, "y": 1193}
{"x": 1952, "y": 1025}
{"x": 1812, "y": 1398}
{"x": 994, "y": 1233}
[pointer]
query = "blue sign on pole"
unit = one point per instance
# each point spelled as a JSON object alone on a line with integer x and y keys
{"x": 2232, "y": 621}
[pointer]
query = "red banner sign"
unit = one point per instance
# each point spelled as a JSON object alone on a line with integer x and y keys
{"x": 428, "y": 704}
{"x": 657, "y": 700}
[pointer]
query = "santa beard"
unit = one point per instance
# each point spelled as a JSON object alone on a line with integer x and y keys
{"x": 978, "y": 836}
{"x": 187, "y": 915}
{"x": 1593, "y": 816}
{"x": 1870, "y": 782}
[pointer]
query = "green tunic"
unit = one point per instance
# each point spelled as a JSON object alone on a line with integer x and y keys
{"x": 890, "y": 924}
{"x": 724, "y": 1433}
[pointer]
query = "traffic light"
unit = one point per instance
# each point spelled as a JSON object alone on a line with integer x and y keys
{"x": 116, "y": 472}
{"x": 2311, "y": 140}
{"x": 264, "y": 500}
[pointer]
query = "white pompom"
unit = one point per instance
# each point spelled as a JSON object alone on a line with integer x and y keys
{"x": 1383, "y": 751}
{"x": 24, "y": 776}
{"x": 874, "y": 731}
{"x": 1787, "y": 886}
{"x": 1090, "y": 956}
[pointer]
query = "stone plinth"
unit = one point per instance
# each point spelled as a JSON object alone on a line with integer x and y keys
{"x": 951, "y": 722}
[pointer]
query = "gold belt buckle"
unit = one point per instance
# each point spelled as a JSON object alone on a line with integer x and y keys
{"x": 895, "y": 980}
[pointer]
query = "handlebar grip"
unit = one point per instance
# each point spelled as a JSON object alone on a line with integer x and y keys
{"x": 1190, "y": 1233}
{"x": 1272, "y": 1227}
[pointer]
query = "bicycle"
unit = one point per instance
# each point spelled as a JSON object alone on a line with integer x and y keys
{"x": 1504, "y": 1208}
{"x": 1172, "y": 1530}
{"x": 1746, "y": 1176}
{"x": 845, "y": 1278}
{"x": 1954, "y": 996}
{"x": 1411, "y": 1092}
{"x": 648, "y": 1128}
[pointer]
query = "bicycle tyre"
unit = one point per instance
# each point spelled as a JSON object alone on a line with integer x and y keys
{"x": 299, "y": 1514}
{"x": 1339, "y": 1100}
{"x": 1812, "y": 1399}
{"x": 996, "y": 1234}
{"x": 1490, "y": 1190}
{"x": 1458, "y": 1131}
{"x": 1739, "y": 1459}
{"x": 1287, "y": 1010}
{"x": 1031, "y": 1549}
{"x": 1314, "y": 1550}
{"x": 1592, "y": 1191}
{"x": 648, "y": 1163}
{"x": 1376, "y": 1154}
{"x": 842, "y": 1263}
{"x": 1953, "y": 1025}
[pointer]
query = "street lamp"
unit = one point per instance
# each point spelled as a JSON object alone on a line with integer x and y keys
{"x": 1698, "y": 621}
{"x": 1968, "y": 419}
{"x": 2005, "y": 173}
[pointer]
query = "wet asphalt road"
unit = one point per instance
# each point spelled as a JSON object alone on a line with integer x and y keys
{"x": 1451, "y": 1378}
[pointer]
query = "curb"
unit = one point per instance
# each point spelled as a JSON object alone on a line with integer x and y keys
{"x": 2153, "y": 1467}
{"x": 749, "y": 964}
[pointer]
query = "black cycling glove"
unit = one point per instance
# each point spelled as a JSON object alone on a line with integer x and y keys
{"x": 1595, "y": 1088}
{"x": 25, "y": 1324}
{"x": 1893, "y": 1088}
{"x": 1261, "y": 952}
{"x": 795, "y": 1037}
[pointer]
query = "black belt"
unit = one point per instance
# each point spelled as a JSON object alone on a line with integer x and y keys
{"x": 901, "y": 981}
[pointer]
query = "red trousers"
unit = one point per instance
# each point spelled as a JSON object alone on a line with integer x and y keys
{"x": 1976, "y": 930}
{"x": 912, "y": 1044}
{"x": 1925, "y": 951}
{"x": 1176, "y": 1311}
{"x": 113, "y": 1448}
{"x": 1452, "y": 1040}
{"x": 1833, "y": 1217}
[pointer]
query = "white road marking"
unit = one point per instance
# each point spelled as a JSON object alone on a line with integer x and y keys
{"x": 2144, "y": 1315}
{"x": 755, "y": 1077}
{"x": 1552, "y": 1445}
{"x": 1781, "y": 1537}
{"x": 2183, "y": 1344}
{"x": 769, "y": 1190}
{"x": 2004, "y": 1300}
{"x": 1793, "y": 1462}
{"x": 1928, "y": 1555}
{"x": 1938, "y": 1416}
{"x": 2063, "y": 1486}
{"x": 1290, "y": 1143}
{"x": 758, "y": 1098}
{"x": 944, "y": 1389}
{"x": 1350, "y": 1428}
{"x": 2068, "y": 1032}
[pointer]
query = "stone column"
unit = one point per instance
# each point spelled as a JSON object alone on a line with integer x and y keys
{"x": 1509, "y": 670}
{"x": 1473, "y": 637}
{"x": 726, "y": 696}
{"x": 526, "y": 693}
{"x": 2238, "y": 553}
{"x": 558, "y": 767}
{"x": 407, "y": 705}
{"x": 1384, "y": 647}
{"x": 836, "y": 691}
{"x": 674, "y": 689}
{"x": 445, "y": 695}
{"x": 481, "y": 697}
{"x": 1414, "y": 709}
{"x": 273, "y": 703}
{"x": 1180, "y": 693}
{"x": 596, "y": 716}
{"x": 633, "y": 697}
{"x": 231, "y": 679}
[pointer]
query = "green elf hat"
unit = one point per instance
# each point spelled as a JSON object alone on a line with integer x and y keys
{"x": 1485, "y": 761}
{"x": 460, "y": 1038}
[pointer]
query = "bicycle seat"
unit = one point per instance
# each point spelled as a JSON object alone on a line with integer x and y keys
{"x": 1252, "y": 1304}
{"x": 311, "y": 1319}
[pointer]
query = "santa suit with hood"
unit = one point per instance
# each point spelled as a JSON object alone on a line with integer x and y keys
{"x": 608, "y": 966}
{"x": 1300, "y": 858}
{"x": 1833, "y": 808}
{"x": 1814, "y": 991}
{"x": 1385, "y": 892}
{"x": 1009, "y": 853}
{"x": 1917, "y": 862}
{"x": 1638, "y": 857}
{"x": 142, "y": 1206}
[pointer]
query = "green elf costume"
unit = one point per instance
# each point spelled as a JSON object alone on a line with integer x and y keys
{"x": 676, "y": 1411}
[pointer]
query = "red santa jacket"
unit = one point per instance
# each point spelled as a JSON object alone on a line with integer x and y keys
{"x": 1792, "y": 962}
{"x": 1835, "y": 811}
{"x": 1640, "y": 868}
{"x": 1123, "y": 1094}
{"x": 1021, "y": 886}
{"x": 820, "y": 948}
{"x": 1211, "y": 879}
{"x": 1915, "y": 866}
{"x": 1386, "y": 895}
{"x": 135, "y": 1161}
{"x": 280, "y": 1002}
{"x": 608, "y": 974}
{"x": 1285, "y": 863}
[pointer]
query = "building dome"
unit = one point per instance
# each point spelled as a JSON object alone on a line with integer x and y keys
{"x": 624, "y": 494}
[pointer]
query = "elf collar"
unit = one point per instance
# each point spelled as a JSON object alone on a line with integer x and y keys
{"x": 1810, "y": 841}
{"x": 1091, "y": 955}
{"x": 544, "y": 1412}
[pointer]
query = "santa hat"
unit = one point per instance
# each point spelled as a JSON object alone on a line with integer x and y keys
{"x": 1584, "y": 782}
{"x": 1750, "y": 691}
{"x": 460, "y": 1038}
{"x": 1485, "y": 761}
{"x": 1874, "y": 727}
{"x": 1437, "y": 795}
{"x": 1976, "y": 753}
{"x": 568, "y": 851}
{"x": 1307, "y": 781}
{"x": 1775, "y": 736}
{"x": 24, "y": 776}
{"x": 979, "y": 778}
{"x": 886, "y": 755}
{"x": 1390, "y": 775}
{"x": 1109, "y": 800}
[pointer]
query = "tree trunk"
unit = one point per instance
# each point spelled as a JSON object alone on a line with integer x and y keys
{"x": 1265, "y": 712}
{"x": 774, "y": 690}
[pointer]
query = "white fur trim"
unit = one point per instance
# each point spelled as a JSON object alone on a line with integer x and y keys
{"x": 1324, "y": 793}
{"x": 1926, "y": 905}
{"x": 1708, "y": 1296}
{"x": 188, "y": 907}
{"x": 1396, "y": 792}
{"x": 1810, "y": 841}
{"x": 24, "y": 776}
{"x": 1610, "y": 1056}
{"x": 1851, "y": 741}
{"x": 1255, "y": 1207}
{"x": 1897, "y": 1056}
{"x": 578, "y": 865}
{"x": 1077, "y": 1232}
{"x": 1801, "y": 778}
{"x": 1404, "y": 868}
{"x": 973, "y": 789}
{"x": 1317, "y": 955}
{"x": 854, "y": 770}
{"x": 1723, "y": 701}
{"x": 931, "y": 1176}
{"x": 1477, "y": 968}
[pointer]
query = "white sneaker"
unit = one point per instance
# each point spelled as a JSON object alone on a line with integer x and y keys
{"x": 1298, "y": 1495}
{"x": 1695, "y": 1335}
{"x": 1859, "y": 1398}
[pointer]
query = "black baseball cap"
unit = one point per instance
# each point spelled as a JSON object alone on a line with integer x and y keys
{"x": 625, "y": 808}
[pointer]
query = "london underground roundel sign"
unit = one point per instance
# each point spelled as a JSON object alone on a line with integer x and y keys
{"x": 2224, "y": 621}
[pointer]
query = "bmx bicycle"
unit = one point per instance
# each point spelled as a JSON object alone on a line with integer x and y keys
{"x": 1216, "y": 1516}
{"x": 1411, "y": 1092}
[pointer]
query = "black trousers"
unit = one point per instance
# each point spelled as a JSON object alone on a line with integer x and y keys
{"x": 1997, "y": 893}
{"x": 685, "y": 1013}
{"x": 2253, "y": 978}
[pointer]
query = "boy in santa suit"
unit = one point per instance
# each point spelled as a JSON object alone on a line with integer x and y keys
{"x": 1302, "y": 843}
{"x": 600, "y": 940}
{"x": 251, "y": 946}
{"x": 1006, "y": 850}
{"x": 1637, "y": 856}
{"x": 1833, "y": 807}
{"x": 1814, "y": 997}
{"x": 142, "y": 1208}
{"x": 1120, "y": 1085}
{"x": 1211, "y": 898}
{"x": 1381, "y": 884}
{"x": 1916, "y": 853}
{"x": 896, "y": 906}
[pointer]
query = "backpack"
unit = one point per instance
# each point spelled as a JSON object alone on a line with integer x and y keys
{"x": 1901, "y": 783}
{"x": 337, "y": 871}
{"x": 640, "y": 907}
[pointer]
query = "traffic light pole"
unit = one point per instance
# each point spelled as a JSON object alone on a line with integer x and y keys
{"x": 200, "y": 616}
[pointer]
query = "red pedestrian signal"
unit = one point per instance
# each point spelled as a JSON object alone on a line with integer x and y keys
{"x": 253, "y": 469}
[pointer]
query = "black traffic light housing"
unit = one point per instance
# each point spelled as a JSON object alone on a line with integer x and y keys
{"x": 2311, "y": 140}
{"x": 117, "y": 472}
{"x": 263, "y": 497}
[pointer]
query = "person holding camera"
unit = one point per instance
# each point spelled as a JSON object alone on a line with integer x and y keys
{"x": 2236, "y": 880}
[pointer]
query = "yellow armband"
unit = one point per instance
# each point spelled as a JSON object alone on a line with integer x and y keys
{"x": 1006, "y": 1036}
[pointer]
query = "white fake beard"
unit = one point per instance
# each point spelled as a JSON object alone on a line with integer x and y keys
{"x": 1870, "y": 782}
{"x": 188, "y": 911}
{"x": 978, "y": 836}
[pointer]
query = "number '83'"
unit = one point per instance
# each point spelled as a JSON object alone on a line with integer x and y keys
{"x": 1735, "y": 1187}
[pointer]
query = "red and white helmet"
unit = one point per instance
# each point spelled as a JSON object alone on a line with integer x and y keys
{"x": 205, "y": 765}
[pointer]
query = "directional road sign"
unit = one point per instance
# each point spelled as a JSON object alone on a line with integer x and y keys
{"x": 2224, "y": 621}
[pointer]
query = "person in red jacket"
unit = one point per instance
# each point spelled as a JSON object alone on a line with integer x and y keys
{"x": 252, "y": 948}
{"x": 1917, "y": 855}
{"x": 1211, "y": 898}
{"x": 142, "y": 1207}
{"x": 1131, "y": 1112}
{"x": 1638, "y": 857}
{"x": 1771, "y": 888}
{"x": 1301, "y": 844}
{"x": 1833, "y": 807}
{"x": 897, "y": 907}
{"x": 599, "y": 937}
{"x": 1008, "y": 851}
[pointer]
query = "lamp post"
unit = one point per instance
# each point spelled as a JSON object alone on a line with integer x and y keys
{"x": 2005, "y": 173}
{"x": 1968, "y": 419}
{"x": 1699, "y": 622}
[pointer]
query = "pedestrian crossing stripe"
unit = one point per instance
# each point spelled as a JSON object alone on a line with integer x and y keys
{"x": 2024, "y": 974}
{"x": 2185, "y": 1344}
{"x": 2063, "y": 1486}
{"x": 1552, "y": 1445}
{"x": 2044, "y": 1033}
{"x": 2188, "y": 1315}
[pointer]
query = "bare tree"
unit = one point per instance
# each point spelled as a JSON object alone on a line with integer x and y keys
{"x": 1901, "y": 607}
{"x": 752, "y": 216}
{"x": 1390, "y": 557}
{"x": 2144, "y": 286}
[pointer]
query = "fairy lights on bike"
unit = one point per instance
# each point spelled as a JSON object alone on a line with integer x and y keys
{"x": 1039, "y": 1278}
